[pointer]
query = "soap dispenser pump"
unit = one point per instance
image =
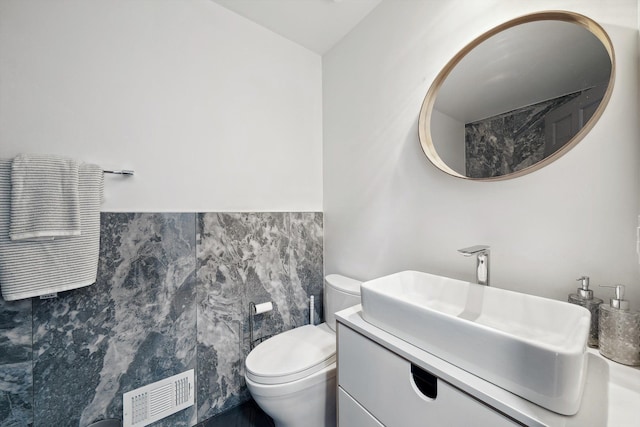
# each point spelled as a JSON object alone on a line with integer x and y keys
{"x": 585, "y": 298}
{"x": 619, "y": 330}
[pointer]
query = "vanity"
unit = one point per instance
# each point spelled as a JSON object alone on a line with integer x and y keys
{"x": 386, "y": 381}
{"x": 426, "y": 350}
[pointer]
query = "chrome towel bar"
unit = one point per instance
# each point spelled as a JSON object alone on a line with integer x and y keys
{"x": 120, "y": 172}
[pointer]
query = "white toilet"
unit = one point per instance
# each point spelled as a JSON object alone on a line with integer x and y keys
{"x": 292, "y": 376}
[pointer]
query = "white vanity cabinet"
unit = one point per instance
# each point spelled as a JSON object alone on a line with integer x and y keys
{"x": 376, "y": 388}
{"x": 380, "y": 388}
{"x": 352, "y": 413}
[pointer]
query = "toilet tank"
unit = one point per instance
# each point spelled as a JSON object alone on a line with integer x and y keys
{"x": 340, "y": 292}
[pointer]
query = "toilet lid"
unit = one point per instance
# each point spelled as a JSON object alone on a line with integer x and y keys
{"x": 292, "y": 355}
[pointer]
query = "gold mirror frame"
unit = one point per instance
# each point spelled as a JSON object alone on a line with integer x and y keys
{"x": 424, "y": 122}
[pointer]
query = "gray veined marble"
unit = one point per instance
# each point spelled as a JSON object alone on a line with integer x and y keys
{"x": 136, "y": 325}
{"x": 306, "y": 262}
{"x": 15, "y": 331}
{"x": 162, "y": 304}
{"x": 16, "y": 389}
{"x": 508, "y": 142}
{"x": 243, "y": 258}
{"x": 235, "y": 253}
{"x": 16, "y": 395}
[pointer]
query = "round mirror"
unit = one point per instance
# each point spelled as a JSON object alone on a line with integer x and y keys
{"x": 518, "y": 97}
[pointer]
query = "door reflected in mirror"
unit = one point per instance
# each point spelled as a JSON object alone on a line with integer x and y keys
{"x": 518, "y": 97}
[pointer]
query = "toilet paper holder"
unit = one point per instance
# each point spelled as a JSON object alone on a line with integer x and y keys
{"x": 255, "y": 310}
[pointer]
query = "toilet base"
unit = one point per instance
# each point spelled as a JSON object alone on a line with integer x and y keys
{"x": 309, "y": 402}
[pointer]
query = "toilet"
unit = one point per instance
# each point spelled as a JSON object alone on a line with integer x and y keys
{"x": 292, "y": 376}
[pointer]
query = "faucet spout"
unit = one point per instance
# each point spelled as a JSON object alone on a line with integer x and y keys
{"x": 482, "y": 266}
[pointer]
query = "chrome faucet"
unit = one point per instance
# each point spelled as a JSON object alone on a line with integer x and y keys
{"x": 482, "y": 266}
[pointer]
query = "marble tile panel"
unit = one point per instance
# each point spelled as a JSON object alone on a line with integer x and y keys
{"x": 306, "y": 261}
{"x": 136, "y": 325}
{"x": 243, "y": 258}
{"x": 15, "y": 363}
{"x": 16, "y": 395}
{"x": 15, "y": 331}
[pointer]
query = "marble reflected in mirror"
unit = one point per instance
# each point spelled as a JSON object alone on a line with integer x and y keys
{"x": 518, "y": 97}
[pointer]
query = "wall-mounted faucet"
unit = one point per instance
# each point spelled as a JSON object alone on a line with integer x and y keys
{"x": 482, "y": 266}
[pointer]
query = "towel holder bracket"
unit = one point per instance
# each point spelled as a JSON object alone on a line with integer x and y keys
{"x": 124, "y": 172}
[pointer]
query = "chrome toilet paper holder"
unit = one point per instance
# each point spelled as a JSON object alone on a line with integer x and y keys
{"x": 256, "y": 310}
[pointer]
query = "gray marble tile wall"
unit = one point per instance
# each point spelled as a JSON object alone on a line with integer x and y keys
{"x": 16, "y": 383}
{"x": 172, "y": 294}
{"x": 243, "y": 258}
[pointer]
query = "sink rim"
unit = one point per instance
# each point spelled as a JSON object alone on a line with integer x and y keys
{"x": 374, "y": 285}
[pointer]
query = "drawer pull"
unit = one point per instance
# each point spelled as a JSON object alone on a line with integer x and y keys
{"x": 425, "y": 382}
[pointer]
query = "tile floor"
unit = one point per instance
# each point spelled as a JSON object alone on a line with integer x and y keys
{"x": 246, "y": 415}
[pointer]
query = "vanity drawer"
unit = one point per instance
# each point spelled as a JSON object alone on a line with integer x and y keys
{"x": 350, "y": 413}
{"x": 398, "y": 395}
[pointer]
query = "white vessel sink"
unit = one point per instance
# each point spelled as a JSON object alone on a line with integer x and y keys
{"x": 531, "y": 346}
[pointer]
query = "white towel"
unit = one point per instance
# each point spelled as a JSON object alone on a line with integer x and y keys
{"x": 44, "y": 197}
{"x": 32, "y": 268}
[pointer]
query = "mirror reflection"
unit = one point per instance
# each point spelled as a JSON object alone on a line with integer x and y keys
{"x": 518, "y": 97}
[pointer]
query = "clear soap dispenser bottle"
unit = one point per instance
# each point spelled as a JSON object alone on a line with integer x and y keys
{"x": 585, "y": 298}
{"x": 620, "y": 330}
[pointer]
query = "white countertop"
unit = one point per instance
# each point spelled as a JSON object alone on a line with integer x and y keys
{"x": 611, "y": 396}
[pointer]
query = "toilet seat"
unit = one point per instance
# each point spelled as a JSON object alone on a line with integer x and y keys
{"x": 292, "y": 355}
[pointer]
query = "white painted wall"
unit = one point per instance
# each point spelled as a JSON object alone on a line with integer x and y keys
{"x": 212, "y": 111}
{"x": 388, "y": 209}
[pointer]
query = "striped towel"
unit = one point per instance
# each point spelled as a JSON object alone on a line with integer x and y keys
{"x": 32, "y": 268}
{"x": 44, "y": 197}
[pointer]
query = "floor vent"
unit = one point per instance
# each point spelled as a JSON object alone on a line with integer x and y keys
{"x": 153, "y": 402}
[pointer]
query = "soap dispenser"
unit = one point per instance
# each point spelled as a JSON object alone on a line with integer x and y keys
{"x": 585, "y": 298}
{"x": 619, "y": 330}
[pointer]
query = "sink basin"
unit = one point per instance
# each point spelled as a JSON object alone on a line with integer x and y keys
{"x": 531, "y": 346}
